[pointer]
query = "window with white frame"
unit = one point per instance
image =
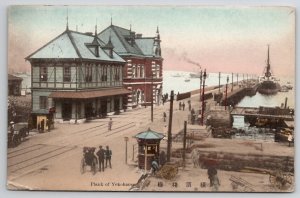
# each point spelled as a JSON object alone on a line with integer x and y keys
{"x": 117, "y": 73}
{"x": 138, "y": 71}
{"x": 133, "y": 71}
{"x": 142, "y": 71}
{"x": 157, "y": 71}
{"x": 104, "y": 74}
{"x": 67, "y": 74}
{"x": 43, "y": 74}
{"x": 88, "y": 73}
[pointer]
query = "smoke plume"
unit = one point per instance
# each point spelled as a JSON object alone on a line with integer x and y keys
{"x": 187, "y": 59}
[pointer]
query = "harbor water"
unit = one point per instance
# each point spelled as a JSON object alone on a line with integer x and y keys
{"x": 174, "y": 80}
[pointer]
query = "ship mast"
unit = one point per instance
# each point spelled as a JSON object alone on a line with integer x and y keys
{"x": 268, "y": 73}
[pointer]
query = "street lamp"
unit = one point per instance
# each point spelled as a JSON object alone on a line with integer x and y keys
{"x": 226, "y": 92}
{"x": 231, "y": 82}
{"x": 219, "y": 82}
{"x": 200, "y": 85}
{"x": 126, "y": 140}
{"x": 202, "y": 112}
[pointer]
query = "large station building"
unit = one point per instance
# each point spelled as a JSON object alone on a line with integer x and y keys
{"x": 77, "y": 76}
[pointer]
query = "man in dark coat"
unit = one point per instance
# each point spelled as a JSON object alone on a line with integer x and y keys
{"x": 101, "y": 156}
{"x": 108, "y": 154}
{"x": 165, "y": 116}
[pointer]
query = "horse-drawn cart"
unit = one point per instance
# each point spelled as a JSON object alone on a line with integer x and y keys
{"x": 17, "y": 133}
{"x": 279, "y": 179}
{"x": 89, "y": 159}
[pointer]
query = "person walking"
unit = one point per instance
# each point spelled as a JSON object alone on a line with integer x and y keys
{"x": 193, "y": 116}
{"x": 183, "y": 106}
{"x": 43, "y": 125}
{"x": 190, "y": 105}
{"x": 101, "y": 156}
{"x": 110, "y": 124}
{"x": 211, "y": 172}
{"x": 108, "y": 155}
{"x": 165, "y": 116}
{"x": 179, "y": 105}
{"x": 215, "y": 183}
{"x": 290, "y": 139}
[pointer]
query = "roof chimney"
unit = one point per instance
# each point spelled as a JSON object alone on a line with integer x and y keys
{"x": 138, "y": 36}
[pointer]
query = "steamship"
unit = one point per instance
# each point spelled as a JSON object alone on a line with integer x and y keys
{"x": 268, "y": 84}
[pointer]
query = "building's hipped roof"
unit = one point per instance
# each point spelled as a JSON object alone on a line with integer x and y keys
{"x": 119, "y": 38}
{"x": 73, "y": 45}
{"x": 89, "y": 93}
{"x": 12, "y": 77}
{"x": 146, "y": 45}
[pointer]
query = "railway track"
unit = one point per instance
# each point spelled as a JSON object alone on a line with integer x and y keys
{"x": 24, "y": 159}
{"x": 36, "y": 157}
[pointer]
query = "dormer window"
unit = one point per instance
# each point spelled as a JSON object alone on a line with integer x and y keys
{"x": 94, "y": 49}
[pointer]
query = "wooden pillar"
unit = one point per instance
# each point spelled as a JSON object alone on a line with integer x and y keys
{"x": 170, "y": 127}
{"x": 184, "y": 143}
{"x": 145, "y": 157}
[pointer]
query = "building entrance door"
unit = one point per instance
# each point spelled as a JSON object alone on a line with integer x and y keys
{"x": 66, "y": 110}
{"x": 116, "y": 105}
{"x": 103, "y": 107}
{"x": 88, "y": 108}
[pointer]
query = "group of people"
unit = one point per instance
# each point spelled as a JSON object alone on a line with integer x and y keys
{"x": 104, "y": 155}
{"x": 182, "y": 105}
{"x": 165, "y": 98}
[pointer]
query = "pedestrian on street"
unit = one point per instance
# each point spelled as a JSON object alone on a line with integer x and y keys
{"x": 179, "y": 105}
{"x": 154, "y": 166}
{"x": 290, "y": 139}
{"x": 110, "y": 124}
{"x": 101, "y": 156}
{"x": 183, "y": 106}
{"x": 190, "y": 105}
{"x": 165, "y": 116}
{"x": 193, "y": 116}
{"x": 43, "y": 125}
{"x": 108, "y": 154}
{"x": 48, "y": 124}
{"x": 215, "y": 183}
{"x": 211, "y": 172}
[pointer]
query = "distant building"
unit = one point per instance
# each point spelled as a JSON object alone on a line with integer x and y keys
{"x": 77, "y": 76}
{"x": 143, "y": 69}
{"x": 14, "y": 85}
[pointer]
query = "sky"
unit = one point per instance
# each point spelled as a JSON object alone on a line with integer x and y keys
{"x": 220, "y": 39}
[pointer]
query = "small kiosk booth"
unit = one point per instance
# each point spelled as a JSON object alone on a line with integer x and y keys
{"x": 148, "y": 147}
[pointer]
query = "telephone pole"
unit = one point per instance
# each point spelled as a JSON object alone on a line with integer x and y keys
{"x": 184, "y": 143}
{"x": 170, "y": 127}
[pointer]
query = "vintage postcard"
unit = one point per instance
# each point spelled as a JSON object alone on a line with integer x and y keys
{"x": 151, "y": 98}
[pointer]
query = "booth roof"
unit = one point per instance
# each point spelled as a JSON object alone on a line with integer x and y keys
{"x": 149, "y": 134}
